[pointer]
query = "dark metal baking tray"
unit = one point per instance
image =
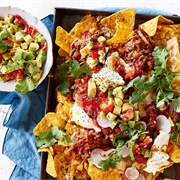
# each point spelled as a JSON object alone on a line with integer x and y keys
{"x": 67, "y": 18}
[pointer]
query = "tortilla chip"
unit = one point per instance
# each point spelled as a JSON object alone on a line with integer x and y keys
{"x": 63, "y": 111}
{"x": 65, "y": 166}
{"x": 99, "y": 174}
{"x": 123, "y": 32}
{"x": 50, "y": 167}
{"x": 64, "y": 39}
{"x": 126, "y": 16}
{"x": 48, "y": 121}
{"x": 150, "y": 27}
{"x": 86, "y": 24}
{"x": 175, "y": 154}
{"x": 173, "y": 63}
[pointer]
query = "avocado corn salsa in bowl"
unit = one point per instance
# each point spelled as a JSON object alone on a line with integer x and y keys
{"x": 23, "y": 51}
{"x": 117, "y": 114}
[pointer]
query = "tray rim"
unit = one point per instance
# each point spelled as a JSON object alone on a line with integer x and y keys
{"x": 63, "y": 10}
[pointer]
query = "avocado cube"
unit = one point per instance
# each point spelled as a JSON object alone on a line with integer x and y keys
{"x": 84, "y": 51}
{"x": 101, "y": 39}
{"x": 33, "y": 46}
{"x": 10, "y": 30}
{"x": 92, "y": 62}
{"x": 40, "y": 38}
{"x": 126, "y": 106}
{"x": 24, "y": 45}
{"x": 8, "y": 18}
{"x": 30, "y": 56}
{"x": 91, "y": 88}
{"x": 19, "y": 36}
{"x": 111, "y": 117}
{"x": 117, "y": 110}
{"x": 136, "y": 115}
{"x": 131, "y": 124}
{"x": 118, "y": 92}
{"x": 28, "y": 39}
{"x": 118, "y": 101}
{"x": 41, "y": 58}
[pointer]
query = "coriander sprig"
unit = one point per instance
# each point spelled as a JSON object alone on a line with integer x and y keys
{"x": 160, "y": 81}
{"x": 68, "y": 70}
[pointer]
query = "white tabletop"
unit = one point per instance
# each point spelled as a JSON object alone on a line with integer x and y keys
{"x": 42, "y": 8}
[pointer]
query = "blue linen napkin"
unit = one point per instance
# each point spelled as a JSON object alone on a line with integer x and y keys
{"x": 25, "y": 112}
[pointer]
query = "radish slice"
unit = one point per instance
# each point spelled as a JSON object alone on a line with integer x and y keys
{"x": 131, "y": 173}
{"x": 141, "y": 125}
{"x": 105, "y": 123}
{"x": 98, "y": 154}
{"x": 163, "y": 123}
{"x": 125, "y": 151}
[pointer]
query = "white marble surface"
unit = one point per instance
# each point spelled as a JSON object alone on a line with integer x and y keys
{"x": 41, "y": 8}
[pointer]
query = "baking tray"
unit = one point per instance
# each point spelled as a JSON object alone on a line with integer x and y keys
{"x": 67, "y": 18}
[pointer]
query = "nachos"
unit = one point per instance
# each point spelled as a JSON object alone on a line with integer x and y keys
{"x": 117, "y": 113}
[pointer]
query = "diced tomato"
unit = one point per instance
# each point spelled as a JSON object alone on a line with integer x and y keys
{"x": 18, "y": 20}
{"x": 28, "y": 29}
{"x": 8, "y": 41}
{"x": 32, "y": 30}
{"x": 18, "y": 74}
{"x": 94, "y": 53}
{"x": 113, "y": 62}
{"x": 44, "y": 45}
{"x": 169, "y": 147}
{"x": 99, "y": 46}
{"x": 126, "y": 116}
{"x": 8, "y": 77}
{"x": 145, "y": 142}
{"x": 109, "y": 108}
{"x": 130, "y": 74}
{"x": 25, "y": 30}
{"x": 139, "y": 158}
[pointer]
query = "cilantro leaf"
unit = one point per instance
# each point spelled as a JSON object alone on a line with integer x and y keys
{"x": 32, "y": 70}
{"x": 160, "y": 55}
{"x": 64, "y": 86}
{"x": 160, "y": 82}
{"x": 176, "y": 104}
{"x": 49, "y": 138}
{"x": 69, "y": 70}
{"x": 5, "y": 34}
{"x": 4, "y": 46}
{"x": 24, "y": 85}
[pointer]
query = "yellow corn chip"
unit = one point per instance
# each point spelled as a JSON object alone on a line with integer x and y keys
{"x": 123, "y": 32}
{"x": 48, "y": 121}
{"x": 85, "y": 25}
{"x": 126, "y": 17}
{"x": 50, "y": 167}
{"x": 175, "y": 154}
{"x": 64, "y": 39}
{"x": 150, "y": 27}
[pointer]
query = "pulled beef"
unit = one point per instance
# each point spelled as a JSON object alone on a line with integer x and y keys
{"x": 137, "y": 51}
{"x": 75, "y": 47}
{"x": 90, "y": 140}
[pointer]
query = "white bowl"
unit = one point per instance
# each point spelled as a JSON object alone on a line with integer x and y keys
{"x": 31, "y": 20}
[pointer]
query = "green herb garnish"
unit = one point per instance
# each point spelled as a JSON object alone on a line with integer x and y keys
{"x": 68, "y": 70}
{"x": 160, "y": 81}
{"x": 49, "y": 138}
